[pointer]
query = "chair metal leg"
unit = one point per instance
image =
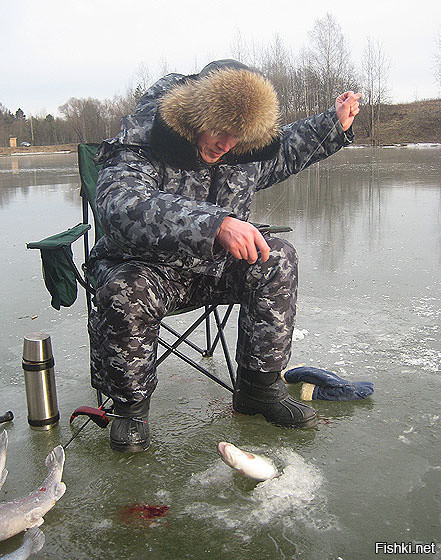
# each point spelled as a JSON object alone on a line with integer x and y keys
{"x": 171, "y": 350}
{"x": 188, "y": 342}
{"x": 207, "y": 335}
{"x": 212, "y": 348}
{"x": 185, "y": 334}
{"x": 220, "y": 336}
{"x": 220, "y": 328}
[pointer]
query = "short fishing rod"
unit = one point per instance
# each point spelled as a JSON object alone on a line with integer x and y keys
{"x": 99, "y": 416}
{"x": 81, "y": 428}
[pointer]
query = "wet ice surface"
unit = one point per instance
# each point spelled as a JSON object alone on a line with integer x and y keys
{"x": 366, "y": 225}
{"x": 223, "y": 499}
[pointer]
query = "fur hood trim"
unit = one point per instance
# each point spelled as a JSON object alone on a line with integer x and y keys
{"x": 238, "y": 101}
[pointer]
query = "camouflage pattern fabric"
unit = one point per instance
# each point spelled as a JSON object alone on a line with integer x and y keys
{"x": 159, "y": 250}
{"x": 134, "y": 297}
{"x": 162, "y": 214}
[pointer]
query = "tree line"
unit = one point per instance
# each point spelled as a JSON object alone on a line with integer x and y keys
{"x": 82, "y": 120}
{"x": 307, "y": 83}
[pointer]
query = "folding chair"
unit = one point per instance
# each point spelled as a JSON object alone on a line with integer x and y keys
{"x": 61, "y": 276}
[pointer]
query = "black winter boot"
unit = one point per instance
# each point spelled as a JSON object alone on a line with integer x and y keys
{"x": 130, "y": 433}
{"x": 258, "y": 392}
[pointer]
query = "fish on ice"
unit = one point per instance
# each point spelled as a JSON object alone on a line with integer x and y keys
{"x": 246, "y": 463}
{"x": 33, "y": 541}
{"x": 28, "y": 511}
{"x": 3, "y": 446}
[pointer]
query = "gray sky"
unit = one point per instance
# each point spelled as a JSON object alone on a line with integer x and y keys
{"x": 52, "y": 50}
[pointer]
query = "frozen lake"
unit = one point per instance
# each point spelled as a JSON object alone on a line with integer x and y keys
{"x": 366, "y": 224}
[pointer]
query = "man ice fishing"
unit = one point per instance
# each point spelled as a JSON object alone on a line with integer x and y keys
{"x": 174, "y": 198}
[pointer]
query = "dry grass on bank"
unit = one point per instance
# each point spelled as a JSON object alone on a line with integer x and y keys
{"x": 406, "y": 123}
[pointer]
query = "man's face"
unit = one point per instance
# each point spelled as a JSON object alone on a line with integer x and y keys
{"x": 213, "y": 146}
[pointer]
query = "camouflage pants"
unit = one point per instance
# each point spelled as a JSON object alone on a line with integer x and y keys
{"x": 132, "y": 298}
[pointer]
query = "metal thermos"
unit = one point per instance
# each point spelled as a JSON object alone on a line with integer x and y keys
{"x": 41, "y": 395}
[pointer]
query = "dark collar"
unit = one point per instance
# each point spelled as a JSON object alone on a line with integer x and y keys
{"x": 175, "y": 150}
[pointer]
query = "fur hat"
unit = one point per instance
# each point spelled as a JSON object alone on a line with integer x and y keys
{"x": 232, "y": 99}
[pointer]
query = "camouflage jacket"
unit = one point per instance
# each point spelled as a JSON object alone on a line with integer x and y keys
{"x": 159, "y": 203}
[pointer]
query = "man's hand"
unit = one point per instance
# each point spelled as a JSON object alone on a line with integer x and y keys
{"x": 242, "y": 240}
{"x": 346, "y": 107}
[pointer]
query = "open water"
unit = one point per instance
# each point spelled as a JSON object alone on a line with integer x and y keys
{"x": 366, "y": 224}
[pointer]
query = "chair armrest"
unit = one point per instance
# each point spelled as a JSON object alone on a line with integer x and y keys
{"x": 59, "y": 271}
{"x": 59, "y": 240}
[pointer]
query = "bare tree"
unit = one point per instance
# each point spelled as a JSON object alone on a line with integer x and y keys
{"x": 330, "y": 60}
{"x": 278, "y": 66}
{"x": 85, "y": 116}
{"x": 238, "y": 47}
{"x": 114, "y": 109}
{"x": 308, "y": 85}
{"x": 143, "y": 76}
{"x": 375, "y": 71}
{"x": 164, "y": 67}
{"x": 143, "y": 80}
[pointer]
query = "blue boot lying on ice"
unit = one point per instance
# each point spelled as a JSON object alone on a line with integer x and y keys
{"x": 325, "y": 385}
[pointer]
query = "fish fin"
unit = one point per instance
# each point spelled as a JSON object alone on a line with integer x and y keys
{"x": 37, "y": 538}
{"x": 55, "y": 458}
{"x": 4, "y": 439}
{"x": 3, "y": 476}
{"x": 59, "y": 490}
{"x": 3, "y": 447}
{"x": 34, "y": 518}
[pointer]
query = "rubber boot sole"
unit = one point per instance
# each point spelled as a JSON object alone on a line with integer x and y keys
{"x": 129, "y": 448}
{"x": 310, "y": 422}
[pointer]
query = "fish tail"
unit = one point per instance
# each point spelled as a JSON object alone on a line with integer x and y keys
{"x": 55, "y": 459}
{"x": 36, "y": 536}
{"x": 3, "y": 439}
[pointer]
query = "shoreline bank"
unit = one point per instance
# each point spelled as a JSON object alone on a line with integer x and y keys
{"x": 69, "y": 148}
{"x": 37, "y": 150}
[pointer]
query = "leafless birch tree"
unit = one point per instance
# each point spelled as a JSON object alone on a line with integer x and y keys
{"x": 330, "y": 60}
{"x": 375, "y": 71}
{"x": 143, "y": 80}
{"x": 278, "y": 66}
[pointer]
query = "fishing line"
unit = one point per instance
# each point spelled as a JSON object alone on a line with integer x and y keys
{"x": 334, "y": 126}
